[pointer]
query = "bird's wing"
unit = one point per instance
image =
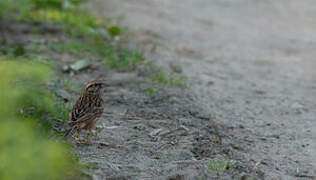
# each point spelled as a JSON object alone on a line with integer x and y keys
{"x": 84, "y": 110}
{"x": 79, "y": 110}
{"x": 84, "y": 114}
{"x": 85, "y": 117}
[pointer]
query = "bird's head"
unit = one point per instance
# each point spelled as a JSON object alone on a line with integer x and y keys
{"x": 95, "y": 87}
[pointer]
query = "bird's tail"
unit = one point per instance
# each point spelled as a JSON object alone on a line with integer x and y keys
{"x": 69, "y": 131}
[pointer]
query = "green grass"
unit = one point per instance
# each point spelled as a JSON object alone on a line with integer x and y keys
{"x": 170, "y": 79}
{"x": 62, "y": 13}
{"x": 97, "y": 131}
{"x": 71, "y": 46}
{"x": 156, "y": 74}
{"x": 139, "y": 127}
{"x": 61, "y": 111}
{"x": 73, "y": 22}
{"x": 112, "y": 56}
{"x": 123, "y": 58}
{"x": 92, "y": 166}
{"x": 162, "y": 78}
{"x": 62, "y": 107}
{"x": 151, "y": 91}
{"x": 66, "y": 84}
{"x": 15, "y": 51}
{"x": 56, "y": 4}
{"x": 220, "y": 165}
{"x": 84, "y": 34}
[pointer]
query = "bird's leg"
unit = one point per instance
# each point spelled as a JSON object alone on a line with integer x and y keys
{"x": 79, "y": 138}
{"x": 89, "y": 136}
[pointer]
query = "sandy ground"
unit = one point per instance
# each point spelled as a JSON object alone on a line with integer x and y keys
{"x": 251, "y": 65}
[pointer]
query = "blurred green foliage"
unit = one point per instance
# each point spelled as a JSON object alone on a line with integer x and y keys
{"x": 56, "y": 4}
{"x": 88, "y": 33}
{"x": 64, "y": 13}
{"x": 24, "y": 152}
{"x": 75, "y": 22}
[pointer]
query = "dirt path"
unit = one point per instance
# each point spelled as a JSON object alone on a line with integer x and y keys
{"x": 250, "y": 63}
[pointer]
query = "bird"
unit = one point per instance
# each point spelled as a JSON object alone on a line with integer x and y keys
{"x": 87, "y": 110}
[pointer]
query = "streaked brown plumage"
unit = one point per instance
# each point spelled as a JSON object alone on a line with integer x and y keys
{"x": 87, "y": 110}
